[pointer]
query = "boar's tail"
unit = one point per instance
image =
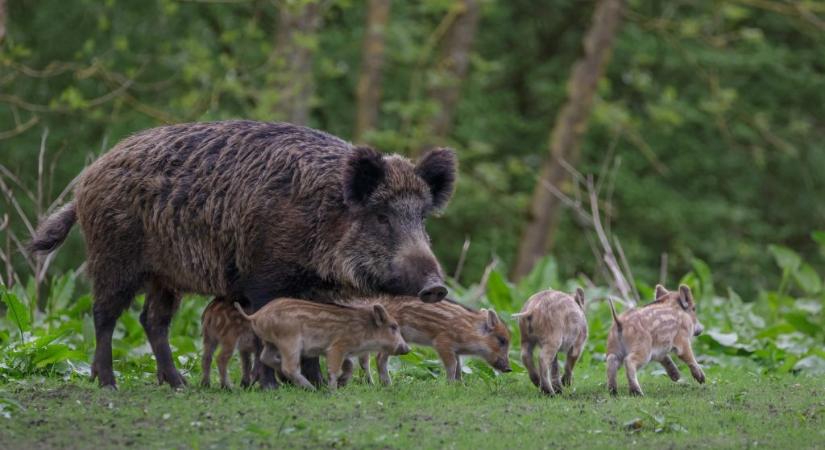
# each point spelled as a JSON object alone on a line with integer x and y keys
{"x": 615, "y": 317}
{"x": 53, "y": 230}
{"x": 240, "y": 310}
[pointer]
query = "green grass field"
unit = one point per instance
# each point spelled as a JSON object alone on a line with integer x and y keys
{"x": 737, "y": 408}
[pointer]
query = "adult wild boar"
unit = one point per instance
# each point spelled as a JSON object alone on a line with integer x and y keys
{"x": 247, "y": 210}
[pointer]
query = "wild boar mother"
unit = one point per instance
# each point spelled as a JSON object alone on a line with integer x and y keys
{"x": 252, "y": 211}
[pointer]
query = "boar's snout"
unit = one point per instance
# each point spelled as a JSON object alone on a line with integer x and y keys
{"x": 698, "y": 329}
{"x": 434, "y": 292}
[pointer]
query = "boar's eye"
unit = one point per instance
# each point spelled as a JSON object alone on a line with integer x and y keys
{"x": 393, "y": 328}
{"x": 383, "y": 219}
{"x": 501, "y": 341}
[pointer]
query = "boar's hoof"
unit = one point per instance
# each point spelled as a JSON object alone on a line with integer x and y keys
{"x": 175, "y": 380}
{"x": 636, "y": 392}
{"x": 613, "y": 391}
{"x": 433, "y": 294}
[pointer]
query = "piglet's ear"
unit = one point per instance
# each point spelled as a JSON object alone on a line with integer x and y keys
{"x": 379, "y": 315}
{"x": 660, "y": 291}
{"x": 492, "y": 319}
{"x": 685, "y": 297}
{"x": 364, "y": 170}
{"x": 580, "y": 297}
{"x": 438, "y": 169}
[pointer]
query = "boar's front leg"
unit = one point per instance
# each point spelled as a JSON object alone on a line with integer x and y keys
{"x": 161, "y": 304}
{"x": 685, "y": 353}
{"x": 209, "y": 346}
{"x": 670, "y": 368}
{"x": 346, "y": 372}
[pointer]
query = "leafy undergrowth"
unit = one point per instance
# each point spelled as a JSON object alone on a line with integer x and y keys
{"x": 737, "y": 408}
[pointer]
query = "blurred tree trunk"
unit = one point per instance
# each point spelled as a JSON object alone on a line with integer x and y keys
{"x": 452, "y": 67}
{"x": 295, "y": 46}
{"x": 368, "y": 91}
{"x": 571, "y": 123}
{"x": 2, "y": 20}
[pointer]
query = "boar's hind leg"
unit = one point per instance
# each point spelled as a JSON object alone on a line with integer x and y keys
{"x": 247, "y": 374}
{"x": 548, "y": 362}
{"x": 110, "y": 301}
{"x": 161, "y": 304}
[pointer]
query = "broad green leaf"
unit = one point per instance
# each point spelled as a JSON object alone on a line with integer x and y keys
{"x": 705, "y": 277}
{"x": 499, "y": 293}
{"x": 786, "y": 258}
{"x": 819, "y": 237}
{"x": 807, "y": 279}
{"x": 726, "y": 339}
{"x": 800, "y": 321}
{"x": 16, "y": 312}
{"x": 61, "y": 293}
{"x": 813, "y": 365}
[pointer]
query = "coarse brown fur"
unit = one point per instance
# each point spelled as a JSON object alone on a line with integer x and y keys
{"x": 650, "y": 333}
{"x": 554, "y": 322}
{"x": 222, "y": 324}
{"x": 451, "y": 328}
{"x": 252, "y": 211}
{"x": 291, "y": 328}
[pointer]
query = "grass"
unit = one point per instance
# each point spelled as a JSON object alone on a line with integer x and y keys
{"x": 737, "y": 408}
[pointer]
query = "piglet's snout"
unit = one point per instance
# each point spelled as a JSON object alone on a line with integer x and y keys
{"x": 402, "y": 349}
{"x": 698, "y": 329}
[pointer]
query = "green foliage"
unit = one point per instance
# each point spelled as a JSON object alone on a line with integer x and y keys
{"x": 712, "y": 110}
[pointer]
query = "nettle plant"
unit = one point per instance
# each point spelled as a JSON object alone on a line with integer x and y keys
{"x": 781, "y": 329}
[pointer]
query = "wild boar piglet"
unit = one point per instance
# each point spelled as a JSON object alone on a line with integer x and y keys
{"x": 650, "y": 333}
{"x": 222, "y": 324}
{"x": 555, "y": 322}
{"x": 451, "y": 328}
{"x": 291, "y": 329}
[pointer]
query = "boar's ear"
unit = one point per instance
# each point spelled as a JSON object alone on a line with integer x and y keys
{"x": 580, "y": 297}
{"x": 685, "y": 297}
{"x": 365, "y": 169}
{"x": 379, "y": 315}
{"x": 438, "y": 168}
{"x": 660, "y": 292}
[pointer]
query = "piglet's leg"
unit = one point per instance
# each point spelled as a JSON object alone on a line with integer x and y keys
{"x": 631, "y": 363}
{"x": 546, "y": 358}
{"x": 364, "y": 362}
{"x": 569, "y": 364}
{"x": 449, "y": 359}
{"x": 335, "y": 361}
{"x": 209, "y": 346}
{"x": 685, "y": 352}
{"x": 291, "y": 367}
{"x": 527, "y": 349}
{"x": 381, "y": 361}
{"x": 613, "y": 363}
{"x": 670, "y": 368}
{"x": 554, "y": 373}
{"x": 346, "y": 372}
